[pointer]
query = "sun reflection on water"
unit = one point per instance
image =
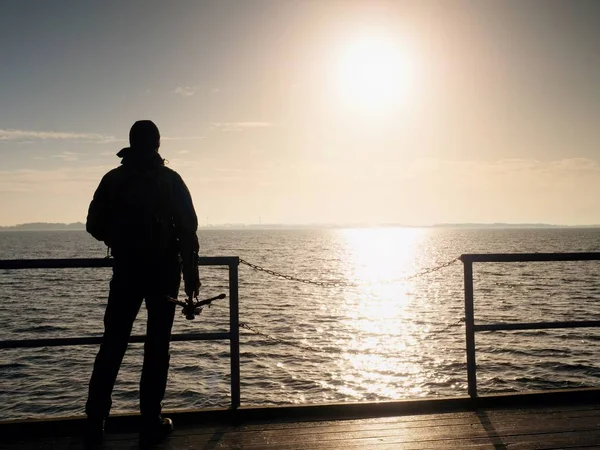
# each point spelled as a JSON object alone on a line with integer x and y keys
{"x": 380, "y": 311}
{"x": 381, "y": 254}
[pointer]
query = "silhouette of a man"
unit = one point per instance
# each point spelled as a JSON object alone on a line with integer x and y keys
{"x": 143, "y": 211}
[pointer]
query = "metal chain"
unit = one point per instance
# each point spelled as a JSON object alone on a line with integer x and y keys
{"x": 342, "y": 283}
{"x": 432, "y": 269}
{"x": 278, "y": 340}
{"x": 274, "y": 273}
{"x": 447, "y": 327}
{"x": 299, "y": 280}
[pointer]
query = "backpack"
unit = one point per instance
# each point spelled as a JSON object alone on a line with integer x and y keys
{"x": 141, "y": 217}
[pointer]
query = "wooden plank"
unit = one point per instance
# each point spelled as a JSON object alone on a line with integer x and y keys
{"x": 449, "y": 419}
{"x": 422, "y": 407}
{"x": 383, "y": 427}
{"x": 547, "y": 441}
{"x": 520, "y": 442}
{"x": 570, "y": 410}
{"x": 564, "y": 427}
{"x": 374, "y": 443}
{"x": 399, "y": 433}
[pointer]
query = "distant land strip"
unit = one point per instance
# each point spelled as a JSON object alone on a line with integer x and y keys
{"x": 44, "y": 226}
{"x": 48, "y": 226}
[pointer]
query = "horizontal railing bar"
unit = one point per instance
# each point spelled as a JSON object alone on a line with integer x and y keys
{"x": 537, "y": 325}
{"x": 31, "y": 343}
{"x": 77, "y": 263}
{"x": 73, "y": 263}
{"x": 529, "y": 257}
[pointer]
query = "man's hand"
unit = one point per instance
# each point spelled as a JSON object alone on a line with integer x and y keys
{"x": 191, "y": 275}
{"x": 191, "y": 280}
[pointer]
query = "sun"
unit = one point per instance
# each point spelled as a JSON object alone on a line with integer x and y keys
{"x": 374, "y": 72}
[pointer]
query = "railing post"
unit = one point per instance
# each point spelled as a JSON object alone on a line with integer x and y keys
{"x": 469, "y": 330}
{"x": 234, "y": 329}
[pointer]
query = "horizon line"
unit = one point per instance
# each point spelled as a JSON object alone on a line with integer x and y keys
{"x": 338, "y": 225}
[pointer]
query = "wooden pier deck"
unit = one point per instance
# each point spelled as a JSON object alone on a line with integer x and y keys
{"x": 535, "y": 427}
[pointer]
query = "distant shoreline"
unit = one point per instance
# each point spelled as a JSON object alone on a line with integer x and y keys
{"x": 79, "y": 226}
{"x": 45, "y": 226}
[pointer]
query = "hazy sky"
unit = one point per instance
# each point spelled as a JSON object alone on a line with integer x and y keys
{"x": 309, "y": 111}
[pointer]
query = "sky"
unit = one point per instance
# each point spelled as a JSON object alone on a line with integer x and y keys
{"x": 302, "y": 112}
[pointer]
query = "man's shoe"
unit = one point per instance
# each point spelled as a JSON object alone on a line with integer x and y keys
{"x": 155, "y": 430}
{"x": 94, "y": 432}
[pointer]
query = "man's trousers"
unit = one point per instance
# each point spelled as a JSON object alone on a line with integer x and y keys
{"x": 133, "y": 281}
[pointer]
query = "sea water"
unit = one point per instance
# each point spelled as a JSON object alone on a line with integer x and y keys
{"x": 381, "y": 335}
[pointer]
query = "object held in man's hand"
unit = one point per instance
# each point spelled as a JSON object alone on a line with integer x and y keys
{"x": 191, "y": 308}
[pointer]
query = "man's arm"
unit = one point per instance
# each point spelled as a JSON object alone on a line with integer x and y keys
{"x": 98, "y": 218}
{"x": 186, "y": 226}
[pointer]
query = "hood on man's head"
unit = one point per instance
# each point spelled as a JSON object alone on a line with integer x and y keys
{"x": 144, "y": 135}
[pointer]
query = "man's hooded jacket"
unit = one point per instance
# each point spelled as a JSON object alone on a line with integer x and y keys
{"x": 144, "y": 209}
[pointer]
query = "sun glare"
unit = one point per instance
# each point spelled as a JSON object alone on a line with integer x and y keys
{"x": 375, "y": 72}
{"x": 380, "y": 311}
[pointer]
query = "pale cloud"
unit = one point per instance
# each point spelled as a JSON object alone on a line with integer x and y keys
{"x": 49, "y": 195}
{"x": 238, "y": 126}
{"x": 64, "y": 180}
{"x": 516, "y": 190}
{"x": 67, "y": 156}
{"x": 524, "y": 169}
{"x": 254, "y": 124}
{"x": 186, "y": 91}
{"x": 182, "y": 138}
{"x": 576, "y": 164}
{"x": 425, "y": 191}
{"x": 420, "y": 191}
{"x": 29, "y": 135}
{"x": 249, "y": 173}
{"x": 518, "y": 178}
{"x": 229, "y": 170}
